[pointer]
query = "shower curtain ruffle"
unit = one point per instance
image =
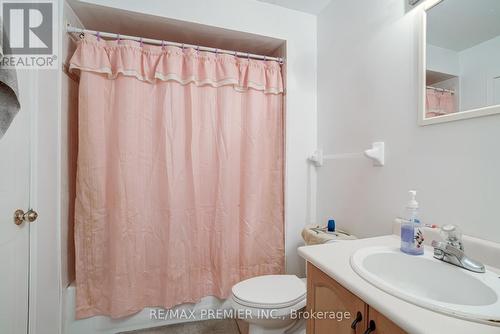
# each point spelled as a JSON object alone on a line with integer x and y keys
{"x": 169, "y": 63}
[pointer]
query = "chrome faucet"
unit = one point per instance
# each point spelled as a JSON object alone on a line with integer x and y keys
{"x": 451, "y": 250}
{"x": 446, "y": 252}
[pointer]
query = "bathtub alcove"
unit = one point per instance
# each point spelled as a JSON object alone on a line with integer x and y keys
{"x": 87, "y": 15}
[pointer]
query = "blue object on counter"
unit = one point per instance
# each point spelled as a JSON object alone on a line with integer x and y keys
{"x": 331, "y": 225}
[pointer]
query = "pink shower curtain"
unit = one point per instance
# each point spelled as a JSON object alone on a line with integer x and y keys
{"x": 180, "y": 175}
{"x": 439, "y": 103}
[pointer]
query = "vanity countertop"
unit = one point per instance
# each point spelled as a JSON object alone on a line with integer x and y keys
{"x": 334, "y": 260}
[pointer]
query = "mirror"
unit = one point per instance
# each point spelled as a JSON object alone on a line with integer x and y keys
{"x": 460, "y": 60}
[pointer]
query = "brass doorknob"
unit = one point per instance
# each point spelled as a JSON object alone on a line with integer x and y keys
{"x": 29, "y": 216}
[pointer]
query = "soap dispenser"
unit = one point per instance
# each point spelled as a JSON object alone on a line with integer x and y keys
{"x": 412, "y": 237}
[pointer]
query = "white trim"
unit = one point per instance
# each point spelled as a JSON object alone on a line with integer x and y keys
{"x": 422, "y": 67}
{"x": 45, "y": 251}
{"x": 45, "y": 277}
{"x": 33, "y": 268}
{"x": 426, "y": 5}
{"x": 473, "y": 113}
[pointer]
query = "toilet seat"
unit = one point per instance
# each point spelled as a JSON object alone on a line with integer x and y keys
{"x": 270, "y": 292}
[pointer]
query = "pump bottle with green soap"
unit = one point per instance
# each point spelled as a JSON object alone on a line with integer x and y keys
{"x": 412, "y": 237}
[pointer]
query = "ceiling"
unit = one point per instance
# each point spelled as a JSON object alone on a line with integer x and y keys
{"x": 308, "y": 6}
{"x": 435, "y": 77}
{"x": 95, "y": 17}
{"x": 460, "y": 24}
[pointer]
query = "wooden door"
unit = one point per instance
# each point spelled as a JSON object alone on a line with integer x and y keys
{"x": 325, "y": 295}
{"x": 382, "y": 324}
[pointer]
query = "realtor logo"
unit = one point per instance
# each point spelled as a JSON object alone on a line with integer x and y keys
{"x": 29, "y": 33}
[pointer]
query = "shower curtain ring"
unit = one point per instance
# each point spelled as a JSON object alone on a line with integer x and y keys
{"x": 141, "y": 43}
{"x": 98, "y": 35}
{"x": 118, "y": 38}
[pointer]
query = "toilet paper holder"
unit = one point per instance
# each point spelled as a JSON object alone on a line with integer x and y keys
{"x": 376, "y": 153}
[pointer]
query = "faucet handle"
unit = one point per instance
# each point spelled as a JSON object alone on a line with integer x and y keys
{"x": 447, "y": 248}
{"x": 452, "y": 235}
{"x": 437, "y": 244}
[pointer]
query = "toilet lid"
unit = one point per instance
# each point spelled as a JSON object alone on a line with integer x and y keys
{"x": 270, "y": 291}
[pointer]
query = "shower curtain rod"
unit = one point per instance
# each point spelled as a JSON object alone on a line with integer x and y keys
{"x": 71, "y": 29}
{"x": 441, "y": 89}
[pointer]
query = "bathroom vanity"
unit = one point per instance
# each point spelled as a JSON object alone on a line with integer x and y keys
{"x": 325, "y": 294}
{"x": 334, "y": 284}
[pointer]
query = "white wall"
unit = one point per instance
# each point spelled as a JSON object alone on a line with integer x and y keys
{"x": 479, "y": 65}
{"x": 367, "y": 91}
{"x": 299, "y": 31}
{"x": 442, "y": 60}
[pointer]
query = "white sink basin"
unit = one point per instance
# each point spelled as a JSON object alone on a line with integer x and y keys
{"x": 430, "y": 283}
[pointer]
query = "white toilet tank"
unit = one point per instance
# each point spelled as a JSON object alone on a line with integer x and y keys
{"x": 314, "y": 235}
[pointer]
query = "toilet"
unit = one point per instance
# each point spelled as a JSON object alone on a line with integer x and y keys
{"x": 270, "y": 303}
